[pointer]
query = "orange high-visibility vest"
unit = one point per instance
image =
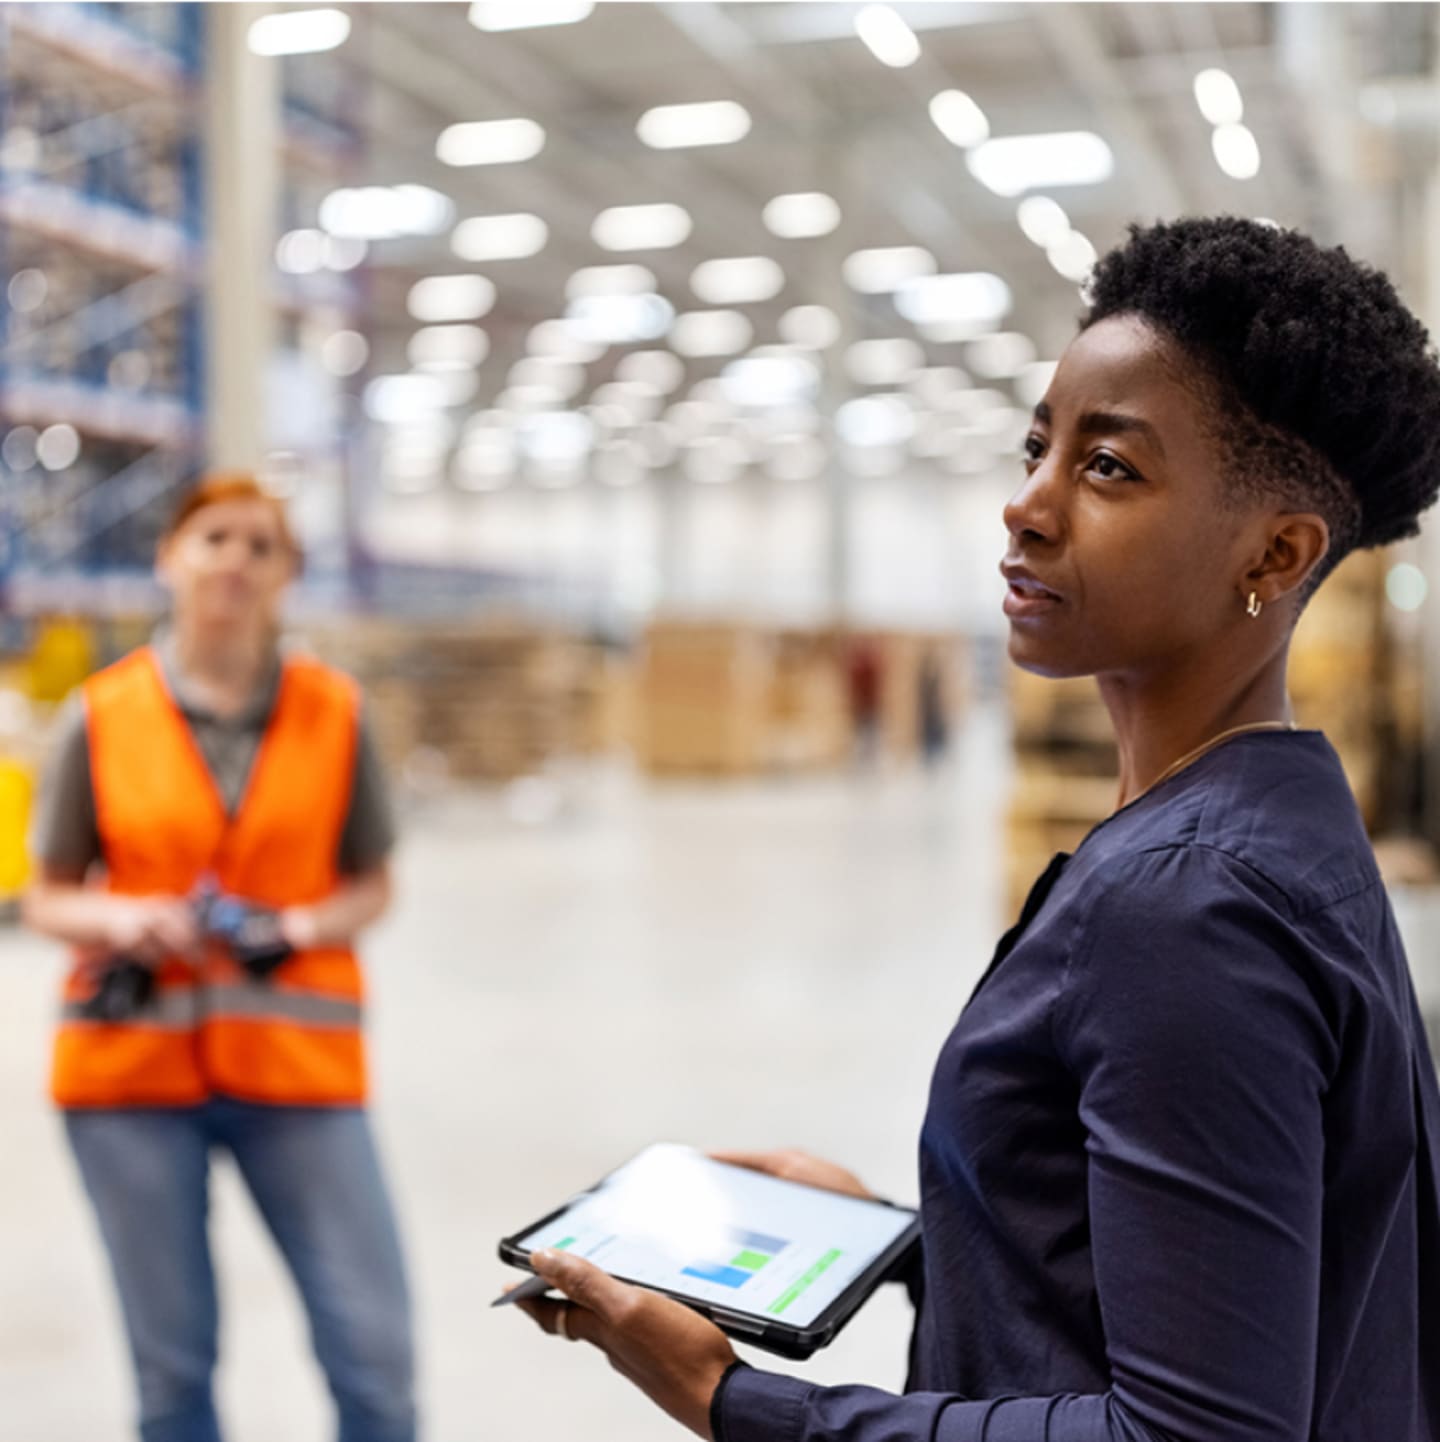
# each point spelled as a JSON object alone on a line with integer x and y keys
{"x": 293, "y": 1039}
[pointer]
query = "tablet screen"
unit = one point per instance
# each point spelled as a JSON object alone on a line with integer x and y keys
{"x": 674, "y": 1219}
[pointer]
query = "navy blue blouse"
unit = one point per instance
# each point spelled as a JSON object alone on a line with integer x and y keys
{"x": 1180, "y": 1168}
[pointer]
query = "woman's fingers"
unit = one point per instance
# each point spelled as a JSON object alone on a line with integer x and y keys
{"x": 792, "y": 1165}
{"x": 585, "y": 1284}
{"x": 556, "y": 1318}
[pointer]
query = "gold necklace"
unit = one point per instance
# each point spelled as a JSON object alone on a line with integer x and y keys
{"x": 1210, "y": 745}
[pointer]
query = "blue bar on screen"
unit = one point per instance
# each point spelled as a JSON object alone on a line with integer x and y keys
{"x": 724, "y": 1276}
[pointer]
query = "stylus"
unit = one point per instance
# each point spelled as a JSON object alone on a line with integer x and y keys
{"x": 529, "y": 1288}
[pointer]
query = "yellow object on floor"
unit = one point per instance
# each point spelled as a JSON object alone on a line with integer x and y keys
{"x": 17, "y": 789}
{"x": 62, "y": 657}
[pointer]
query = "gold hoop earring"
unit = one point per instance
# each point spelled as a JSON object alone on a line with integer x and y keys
{"x": 1252, "y": 606}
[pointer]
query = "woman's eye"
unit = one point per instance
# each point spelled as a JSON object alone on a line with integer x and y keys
{"x": 1033, "y": 449}
{"x": 1108, "y": 468}
{"x": 260, "y": 549}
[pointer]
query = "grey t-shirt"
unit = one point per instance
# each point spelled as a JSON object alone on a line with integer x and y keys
{"x": 66, "y": 834}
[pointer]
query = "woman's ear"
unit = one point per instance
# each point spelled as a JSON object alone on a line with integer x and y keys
{"x": 1296, "y": 544}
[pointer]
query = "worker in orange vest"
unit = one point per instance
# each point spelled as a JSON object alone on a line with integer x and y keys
{"x": 212, "y": 835}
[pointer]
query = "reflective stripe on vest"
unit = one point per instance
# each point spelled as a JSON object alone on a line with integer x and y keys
{"x": 183, "y": 1008}
{"x": 292, "y": 1040}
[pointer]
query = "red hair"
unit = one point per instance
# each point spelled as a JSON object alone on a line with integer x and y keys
{"x": 217, "y": 486}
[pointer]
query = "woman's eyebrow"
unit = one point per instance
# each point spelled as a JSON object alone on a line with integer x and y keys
{"x": 1111, "y": 422}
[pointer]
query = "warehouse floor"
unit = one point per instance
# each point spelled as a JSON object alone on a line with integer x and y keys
{"x": 567, "y": 976}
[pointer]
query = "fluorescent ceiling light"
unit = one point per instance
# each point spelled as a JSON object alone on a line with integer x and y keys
{"x": 1033, "y": 381}
{"x": 299, "y": 32}
{"x": 619, "y": 319}
{"x": 636, "y": 400}
{"x": 620, "y": 463}
{"x": 1001, "y": 355}
{"x": 763, "y": 382}
{"x": 796, "y": 458}
{"x": 487, "y": 466}
{"x": 556, "y": 340}
{"x": 558, "y": 439}
{"x": 694, "y": 417}
{"x": 1406, "y": 587}
{"x": 610, "y": 280}
{"x": 565, "y": 378}
{"x": 714, "y": 460}
{"x": 657, "y": 444}
{"x": 466, "y": 345}
{"x": 739, "y": 280}
{"x": 658, "y": 368}
{"x": 952, "y": 332}
{"x": 801, "y": 215}
{"x": 959, "y": 119}
{"x": 971, "y": 298}
{"x": 524, "y": 400}
{"x": 935, "y": 384}
{"x": 344, "y": 252}
{"x": 1218, "y": 97}
{"x": 58, "y": 447}
{"x": 1073, "y": 256}
{"x": 496, "y": 15}
{"x": 1016, "y": 163}
{"x": 812, "y": 327}
{"x": 641, "y": 227}
{"x": 868, "y": 421}
{"x": 457, "y": 386}
{"x": 883, "y": 362}
{"x": 385, "y": 212}
{"x": 344, "y": 353}
{"x": 301, "y": 252}
{"x": 441, "y": 298}
{"x": 1236, "y": 151}
{"x": 887, "y": 37}
{"x": 499, "y": 237}
{"x": 400, "y": 399}
{"x": 490, "y": 142}
{"x": 711, "y": 333}
{"x": 1043, "y": 220}
{"x": 708, "y": 122}
{"x": 886, "y": 268}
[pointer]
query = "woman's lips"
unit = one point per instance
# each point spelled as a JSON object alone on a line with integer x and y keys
{"x": 1026, "y": 599}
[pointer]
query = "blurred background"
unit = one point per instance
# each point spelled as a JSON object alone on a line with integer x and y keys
{"x": 646, "y": 381}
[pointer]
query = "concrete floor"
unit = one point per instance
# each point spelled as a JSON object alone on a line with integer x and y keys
{"x": 754, "y": 965}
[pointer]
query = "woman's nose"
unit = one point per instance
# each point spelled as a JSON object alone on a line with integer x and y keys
{"x": 1034, "y": 509}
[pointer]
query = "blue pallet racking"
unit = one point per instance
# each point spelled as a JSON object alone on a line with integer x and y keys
{"x": 100, "y": 197}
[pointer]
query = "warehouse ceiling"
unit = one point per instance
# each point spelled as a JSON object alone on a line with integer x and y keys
{"x": 1329, "y": 95}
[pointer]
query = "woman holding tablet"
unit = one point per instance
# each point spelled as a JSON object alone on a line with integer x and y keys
{"x": 1180, "y": 1167}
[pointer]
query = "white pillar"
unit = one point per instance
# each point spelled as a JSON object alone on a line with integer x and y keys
{"x": 242, "y": 123}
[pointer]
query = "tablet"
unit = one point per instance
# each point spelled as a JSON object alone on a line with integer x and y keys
{"x": 777, "y": 1264}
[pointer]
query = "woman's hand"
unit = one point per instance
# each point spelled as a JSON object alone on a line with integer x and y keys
{"x": 150, "y": 928}
{"x": 671, "y": 1353}
{"x": 795, "y": 1166}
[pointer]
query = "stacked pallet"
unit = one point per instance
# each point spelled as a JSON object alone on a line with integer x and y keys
{"x": 1340, "y": 670}
{"x": 809, "y": 712}
{"x": 704, "y": 699}
{"x": 1065, "y": 774}
{"x": 493, "y": 702}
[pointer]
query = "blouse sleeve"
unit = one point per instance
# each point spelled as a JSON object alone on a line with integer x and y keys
{"x": 1201, "y": 1057}
{"x": 65, "y": 833}
{"x": 368, "y": 836}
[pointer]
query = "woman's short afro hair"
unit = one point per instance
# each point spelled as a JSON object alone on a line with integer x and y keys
{"x": 1312, "y": 344}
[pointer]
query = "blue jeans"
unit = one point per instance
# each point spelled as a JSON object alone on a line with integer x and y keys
{"x": 316, "y": 1180}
